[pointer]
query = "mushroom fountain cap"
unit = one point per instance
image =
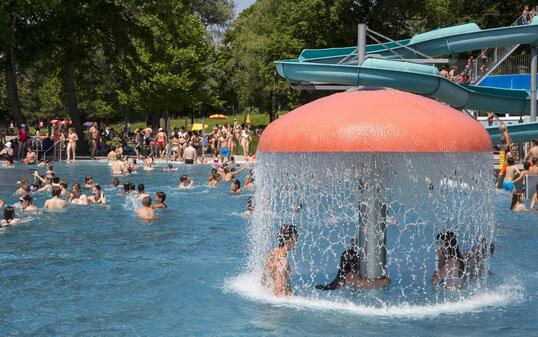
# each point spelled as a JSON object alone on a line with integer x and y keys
{"x": 375, "y": 121}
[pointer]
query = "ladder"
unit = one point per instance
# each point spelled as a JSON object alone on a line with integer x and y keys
{"x": 497, "y": 56}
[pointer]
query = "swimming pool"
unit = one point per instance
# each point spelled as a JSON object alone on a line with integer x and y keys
{"x": 100, "y": 271}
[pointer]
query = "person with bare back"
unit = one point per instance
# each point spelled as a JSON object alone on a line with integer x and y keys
{"x": 94, "y": 138}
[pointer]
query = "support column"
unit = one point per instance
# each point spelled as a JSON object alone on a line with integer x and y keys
{"x": 361, "y": 43}
{"x": 534, "y": 62}
{"x": 373, "y": 239}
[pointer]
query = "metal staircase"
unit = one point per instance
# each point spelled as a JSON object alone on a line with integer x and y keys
{"x": 495, "y": 56}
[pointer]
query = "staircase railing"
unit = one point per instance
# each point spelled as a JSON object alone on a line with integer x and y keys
{"x": 52, "y": 148}
{"x": 491, "y": 58}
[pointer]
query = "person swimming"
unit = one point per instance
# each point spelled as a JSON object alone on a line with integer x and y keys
{"x": 9, "y": 218}
{"x": 185, "y": 182}
{"x": 146, "y": 212}
{"x": 236, "y": 186}
{"x": 160, "y": 197}
{"x": 276, "y": 272}
{"x": 76, "y": 197}
{"x": 348, "y": 273}
{"x": 26, "y": 203}
{"x": 97, "y": 196}
{"x": 55, "y": 201}
{"x": 450, "y": 266}
{"x": 250, "y": 206}
{"x": 476, "y": 259}
{"x": 517, "y": 204}
{"x": 88, "y": 182}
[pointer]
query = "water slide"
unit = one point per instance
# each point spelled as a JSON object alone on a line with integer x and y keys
{"x": 339, "y": 66}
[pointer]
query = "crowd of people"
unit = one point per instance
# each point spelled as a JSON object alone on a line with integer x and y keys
{"x": 224, "y": 142}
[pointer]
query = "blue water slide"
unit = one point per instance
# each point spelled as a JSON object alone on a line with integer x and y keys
{"x": 444, "y": 41}
{"x": 419, "y": 79}
{"x": 520, "y": 132}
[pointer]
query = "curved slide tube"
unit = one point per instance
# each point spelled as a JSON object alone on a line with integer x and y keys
{"x": 458, "y": 96}
{"x": 445, "y": 41}
{"x": 520, "y": 132}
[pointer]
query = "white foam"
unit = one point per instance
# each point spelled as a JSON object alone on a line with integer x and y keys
{"x": 248, "y": 286}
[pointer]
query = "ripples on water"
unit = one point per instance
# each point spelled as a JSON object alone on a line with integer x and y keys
{"x": 98, "y": 271}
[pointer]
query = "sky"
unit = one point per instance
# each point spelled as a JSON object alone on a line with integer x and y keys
{"x": 242, "y": 4}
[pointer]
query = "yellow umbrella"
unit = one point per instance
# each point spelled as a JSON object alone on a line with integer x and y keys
{"x": 197, "y": 127}
{"x": 218, "y": 116}
{"x": 247, "y": 118}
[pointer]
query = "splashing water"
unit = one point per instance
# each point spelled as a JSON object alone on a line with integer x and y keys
{"x": 424, "y": 194}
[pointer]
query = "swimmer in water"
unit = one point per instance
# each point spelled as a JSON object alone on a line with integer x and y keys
{"x": 27, "y": 204}
{"x": 517, "y": 203}
{"x": 141, "y": 192}
{"x": 348, "y": 273}
{"x": 9, "y": 218}
{"x": 148, "y": 164}
{"x": 185, "y": 182}
{"x": 55, "y": 202}
{"x": 146, "y": 212}
{"x": 97, "y": 196}
{"x": 476, "y": 259}
{"x": 250, "y": 206}
{"x": 160, "y": 197}
{"x": 249, "y": 181}
{"x": 115, "y": 183}
{"x": 276, "y": 272}
{"x": 63, "y": 188}
{"x": 450, "y": 267}
{"x": 76, "y": 197}
{"x": 127, "y": 189}
{"x": 236, "y": 186}
{"x": 88, "y": 183}
{"x": 24, "y": 187}
{"x": 117, "y": 167}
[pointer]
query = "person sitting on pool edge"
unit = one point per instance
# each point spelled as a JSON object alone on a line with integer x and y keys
{"x": 160, "y": 197}
{"x": 348, "y": 273}
{"x": 146, "y": 212}
{"x": 276, "y": 272}
{"x": 450, "y": 266}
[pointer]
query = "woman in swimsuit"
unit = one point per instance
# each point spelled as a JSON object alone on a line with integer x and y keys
{"x": 276, "y": 272}
{"x": 9, "y": 218}
{"x": 245, "y": 140}
{"x": 450, "y": 266}
{"x": 72, "y": 139}
{"x": 76, "y": 197}
{"x": 97, "y": 197}
{"x": 517, "y": 203}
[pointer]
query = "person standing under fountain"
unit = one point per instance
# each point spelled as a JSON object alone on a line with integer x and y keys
{"x": 348, "y": 273}
{"x": 450, "y": 266}
{"x": 276, "y": 272}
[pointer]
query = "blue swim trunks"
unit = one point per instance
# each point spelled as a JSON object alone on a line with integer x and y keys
{"x": 225, "y": 152}
{"x": 509, "y": 186}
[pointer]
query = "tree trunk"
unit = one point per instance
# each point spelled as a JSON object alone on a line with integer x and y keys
{"x": 154, "y": 120}
{"x": 70, "y": 87}
{"x": 11, "y": 84}
{"x": 272, "y": 115}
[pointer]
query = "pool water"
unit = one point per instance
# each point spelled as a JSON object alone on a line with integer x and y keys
{"x": 100, "y": 271}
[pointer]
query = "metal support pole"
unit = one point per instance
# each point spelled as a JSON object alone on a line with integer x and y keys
{"x": 534, "y": 62}
{"x": 373, "y": 239}
{"x": 361, "y": 43}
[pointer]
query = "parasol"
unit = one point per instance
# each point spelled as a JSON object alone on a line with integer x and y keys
{"x": 218, "y": 116}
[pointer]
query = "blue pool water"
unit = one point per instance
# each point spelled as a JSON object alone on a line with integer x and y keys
{"x": 101, "y": 272}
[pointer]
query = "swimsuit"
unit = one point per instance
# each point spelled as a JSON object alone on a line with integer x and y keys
{"x": 225, "y": 152}
{"x": 509, "y": 186}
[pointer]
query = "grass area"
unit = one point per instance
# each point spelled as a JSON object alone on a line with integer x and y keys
{"x": 255, "y": 120}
